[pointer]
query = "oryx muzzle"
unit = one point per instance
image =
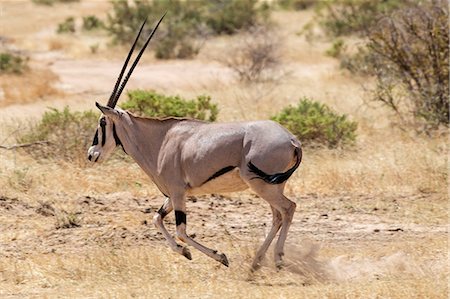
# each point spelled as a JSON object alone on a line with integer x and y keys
{"x": 190, "y": 157}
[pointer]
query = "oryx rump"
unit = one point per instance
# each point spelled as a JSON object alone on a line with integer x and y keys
{"x": 190, "y": 157}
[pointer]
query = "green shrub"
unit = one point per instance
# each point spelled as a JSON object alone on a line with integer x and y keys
{"x": 176, "y": 36}
{"x": 12, "y": 63}
{"x": 231, "y": 16}
{"x": 69, "y": 133}
{"x": 152, "y": 104}
{"x": 187, "y": 23}
{"x": 68, "y": 26}
{"x": 92, "y": 23}
{"x": 337, "y": 48}
{"x": 316, "y": 124}
{"x": 343, "y": 17}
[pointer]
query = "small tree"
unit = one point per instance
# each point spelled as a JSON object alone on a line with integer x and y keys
{"x": 411, "y": 61}
{"x": 406, "y": 48}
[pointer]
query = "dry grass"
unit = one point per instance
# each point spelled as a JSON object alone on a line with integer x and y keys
{"x": 376, "y": 215}
{"x": 35, "y": 84}
{"x": 154, "y": 273}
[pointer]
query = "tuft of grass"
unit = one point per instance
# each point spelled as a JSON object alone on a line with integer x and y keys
{"x": 67, "y": 220}
{"x": 67, "y": 26}
{"x": 20, "y": 180}
{"x": 11, "y": 63}
{"x": 91, "y": 22}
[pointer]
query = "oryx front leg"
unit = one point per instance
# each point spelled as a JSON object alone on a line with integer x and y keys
{"x": 165, "y": 209}
{"x": 180, "y": 219}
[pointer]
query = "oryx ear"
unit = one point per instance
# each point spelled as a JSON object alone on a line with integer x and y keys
{"x": 108, "y": 111}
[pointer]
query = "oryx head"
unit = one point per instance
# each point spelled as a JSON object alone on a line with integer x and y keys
{"x": 106, "y": 138}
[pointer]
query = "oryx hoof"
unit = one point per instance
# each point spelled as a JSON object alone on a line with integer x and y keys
{"x": 279, "y": 265}
{"x": 224, "y": 260}
{"x": 186, "y": 253}
{"x": 255, "y": 267}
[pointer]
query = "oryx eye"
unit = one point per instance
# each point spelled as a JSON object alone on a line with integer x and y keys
{"x": 102, "y": 122}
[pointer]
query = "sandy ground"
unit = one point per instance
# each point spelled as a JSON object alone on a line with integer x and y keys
{"x": 122, "y": 220}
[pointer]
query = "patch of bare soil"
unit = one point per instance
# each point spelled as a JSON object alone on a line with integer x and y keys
{"x": 99, "y": 76}
{"x": 121, "y": 220}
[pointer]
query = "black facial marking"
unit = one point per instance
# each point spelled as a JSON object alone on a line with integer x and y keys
{"x": 116, "y": 138}
{"x": 180, "y": 217}
{"x": 95, "y": 141}
{"x": 103, "y": 127}
{"x": 220, "y": 172}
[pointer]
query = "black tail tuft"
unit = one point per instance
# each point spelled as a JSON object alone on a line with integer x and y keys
{"x": 277, "y": 178}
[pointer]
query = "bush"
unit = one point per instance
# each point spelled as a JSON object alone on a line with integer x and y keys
{"x": 187, "y": 23}
{"x": 406, "y": 48}
{"x": 232, "y": 16}
{"x": 68, "y": 26}
{"x": 12, "y": 63}
{"x": 92, "y": 23}
{"x": 410, "y": 53}
{"x": 255, "y": 56}
{"x": 69, "y": 135}
{"x": 176, "y": 36}
{"x": 316, "y": 124}
{"x": 343, "y": 17}
{"x": 151, "y": 104}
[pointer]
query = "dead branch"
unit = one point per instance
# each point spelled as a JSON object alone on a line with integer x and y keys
{"x": 14, "y": 146}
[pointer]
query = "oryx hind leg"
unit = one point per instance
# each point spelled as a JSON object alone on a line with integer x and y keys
{"x": 179, "y": 205}
{"x": 273, "y": 194}
{"x": 165, "y": 209}
{"x": 276, "y": 224}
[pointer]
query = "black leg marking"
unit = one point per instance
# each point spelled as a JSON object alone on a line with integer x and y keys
{"x": 162, "y": 212}
{"x": 180, "y": 217}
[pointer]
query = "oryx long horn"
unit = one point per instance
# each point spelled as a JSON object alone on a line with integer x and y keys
{"x": 113, "y": 94}
{"x": 130, "y": 71}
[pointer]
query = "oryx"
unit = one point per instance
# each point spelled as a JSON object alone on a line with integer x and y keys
{"x": 191, "y": 157}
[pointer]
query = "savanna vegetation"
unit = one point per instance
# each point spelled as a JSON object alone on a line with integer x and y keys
{"x": 363, "y": 84}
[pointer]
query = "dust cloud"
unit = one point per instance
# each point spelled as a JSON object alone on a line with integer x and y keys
{"x": 304, "y": 260}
